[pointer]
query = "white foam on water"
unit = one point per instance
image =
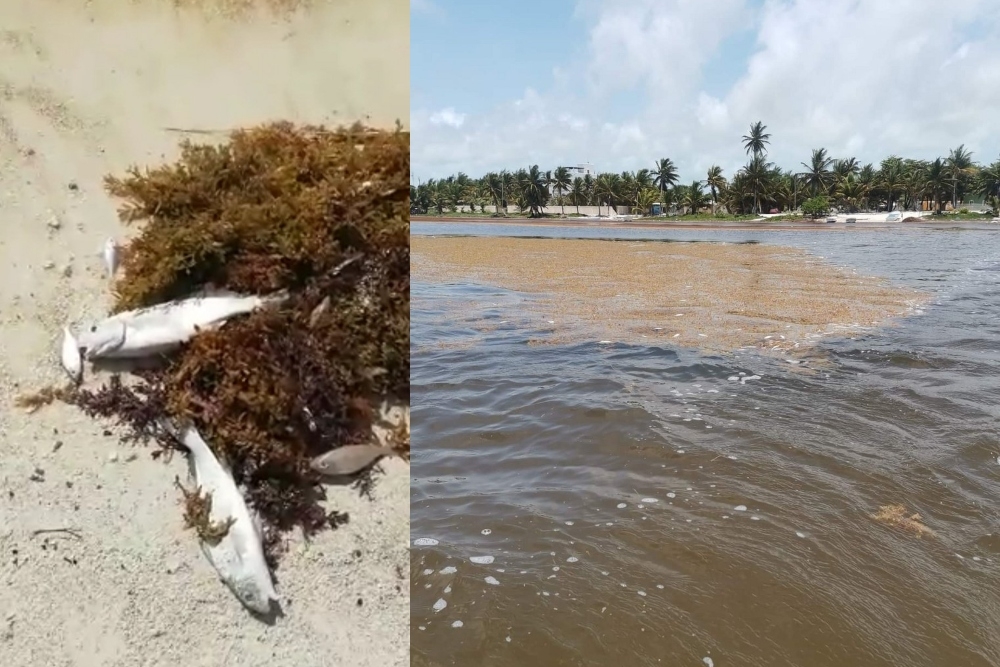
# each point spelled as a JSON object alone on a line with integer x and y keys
{"x": 641, "y": 593}
{"x": 572, "y": 559}
{"x": 755, "y": 518}
{"x": 451, "y": 569}
{"x": 731, "y": 457}
{"x": 447, "y": 589}
{"x": 482, "y": 560}
{"x": 457, "y": 624}
{"x": 555, "y": 569}
{"x": 676, "y": 335}
{"x": 650, "y": 500}
{"x": 486, "y": 531}
{"x": 740, "y": 508}
{"x": 491, "y": 581}
{"x": 569, "y": 523}
{"x": 421, "y": 627}
{"x": 708, "y": 662}
{"x": 671, "y": 495}
{"x": 604, "y": 573}
{"x": 428, "y": 571}
{"x": 660, "y": 586}
{"x": 440, "y": 604}
{"x": 711, "y": 391}
{"x": 425, "y": 542}
{"x": 680, "y": 451}
{"x": 622, "y": 506}
{"x": 507, "y": 640}
{"x": 799, "y": 534}
{"x": 641, "y": 506}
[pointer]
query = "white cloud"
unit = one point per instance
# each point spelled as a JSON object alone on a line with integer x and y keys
{"x": 448, "y": 117}
{"x": 425, "y": 7}
{"x": 858, "y": 78}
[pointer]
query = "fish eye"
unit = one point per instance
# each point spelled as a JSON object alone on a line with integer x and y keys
{"x": 93, "y": 328}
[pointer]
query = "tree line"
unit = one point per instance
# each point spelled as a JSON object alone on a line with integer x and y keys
{"x": 759, "y": 186}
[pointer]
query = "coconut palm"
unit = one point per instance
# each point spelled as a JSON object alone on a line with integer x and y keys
{"x": 694, "y": 197}
{"x": 960, "y": 167}
{"x": 578, "y": 192}
{"x": 533, "y": 191}
{"x": 757, "y": 140}
{"x": 817, "y": 174}
{"x": 757, "y": 173}
{"x": 716, "y": 183}
{"x": 561, "y": 181}
{"x": 666, "y": 175}
{"x": 938, "y": 178}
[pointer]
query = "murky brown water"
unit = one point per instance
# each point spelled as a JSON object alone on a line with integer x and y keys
{"x": 632, "y": 503}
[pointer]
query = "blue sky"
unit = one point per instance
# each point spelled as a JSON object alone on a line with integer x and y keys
{"x": 622, "y": 83}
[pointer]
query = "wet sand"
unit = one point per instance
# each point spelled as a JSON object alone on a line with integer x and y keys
{"x": 709, "y": 296}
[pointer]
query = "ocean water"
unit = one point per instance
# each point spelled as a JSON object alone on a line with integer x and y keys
{"x": 592, "y": 504}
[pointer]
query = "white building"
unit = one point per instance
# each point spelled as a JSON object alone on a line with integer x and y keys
{"x": 581, "y": 170}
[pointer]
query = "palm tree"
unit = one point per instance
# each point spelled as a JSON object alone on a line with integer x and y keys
{"x": 817, "y": 173}
{"x": 561, "y": 181}
{"x": 694, "y": 197}
{"x": 666, "y": 175}
{"x": 716, "y": 182}
{"x": 604, "y": 191}
{"x": 938, "y": 178}
{"x": 757, "y": 173}
{"x": 578, "y": 192}
{"x": 988, "y": 182}
{"x": 533, "y": 189}
{"x": 756, "y": 141}
{"x": 959, "y": 166}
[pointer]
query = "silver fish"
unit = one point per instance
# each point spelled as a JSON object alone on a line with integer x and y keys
{"x": 167, "y": 326}
{"x": 349, "y": 459}
{"x": 239, "y": 556}
{"x": 72, "y": 362}
{"x": 111, "y": 257}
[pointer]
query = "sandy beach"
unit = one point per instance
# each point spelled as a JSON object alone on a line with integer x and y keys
{"x": 88, "y": 89}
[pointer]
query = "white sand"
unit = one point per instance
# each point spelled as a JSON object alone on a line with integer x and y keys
{"x": 85, "y": 92}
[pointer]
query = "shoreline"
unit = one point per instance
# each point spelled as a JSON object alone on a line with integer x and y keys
{"x": 713, "y": 225}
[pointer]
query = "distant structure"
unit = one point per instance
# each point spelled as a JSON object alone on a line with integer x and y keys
{"x": 581, "y": 170}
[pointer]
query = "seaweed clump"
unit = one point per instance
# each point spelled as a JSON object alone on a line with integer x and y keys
{"x": 322, "y": 214}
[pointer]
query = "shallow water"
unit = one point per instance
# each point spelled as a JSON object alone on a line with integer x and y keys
{"x": 633, "y": 505}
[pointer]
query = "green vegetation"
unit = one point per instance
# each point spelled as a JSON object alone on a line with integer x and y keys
{"x": 816, "y": 206}
{"x": 321, "y": 213}
{"x": 758, "y": 187}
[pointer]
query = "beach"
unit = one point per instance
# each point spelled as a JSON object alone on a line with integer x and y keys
{"x": 98, "y": 568}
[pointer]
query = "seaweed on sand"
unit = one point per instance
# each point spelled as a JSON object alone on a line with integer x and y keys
{"x": 323, "y": 214}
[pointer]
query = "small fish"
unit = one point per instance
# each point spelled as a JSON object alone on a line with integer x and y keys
{"x": 318, "y": 311}
{"x": 349, "y": 459}
{"x": 71, "y": 359}
{"x": 164, "y": 327}
{"x": 111, "y": 257}
{"x": 238, "y": 557}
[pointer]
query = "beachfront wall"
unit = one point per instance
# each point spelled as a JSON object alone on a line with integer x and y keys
{"x": 554, "y": 210}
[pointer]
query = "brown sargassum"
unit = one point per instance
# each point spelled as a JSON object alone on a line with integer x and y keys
{"x": 321, "y": 213}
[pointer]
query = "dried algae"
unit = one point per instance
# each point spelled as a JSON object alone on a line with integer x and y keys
{"x": 323, "y": 214}
{"x": 715, "y": 297}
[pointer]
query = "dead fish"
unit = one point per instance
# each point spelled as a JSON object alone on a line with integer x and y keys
{"x": 111, "y": 257}
{"x": 72, "y": 361}
{"x": 349, "y": 459}
{"x": 238, "y": 557}
{"x": 167, "y": 326}
{"x": 318, "y": 311}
